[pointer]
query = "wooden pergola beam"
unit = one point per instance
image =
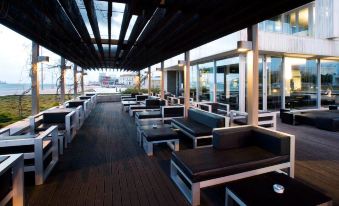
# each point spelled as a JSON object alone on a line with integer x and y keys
{"x": 124, "y": 26}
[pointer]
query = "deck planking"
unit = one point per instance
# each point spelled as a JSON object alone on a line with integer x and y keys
{"x": 105, "y": 166}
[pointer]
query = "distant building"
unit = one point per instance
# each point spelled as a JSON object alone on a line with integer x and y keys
{"x": 127, "y": 79}
{"x": 106, "y": 80}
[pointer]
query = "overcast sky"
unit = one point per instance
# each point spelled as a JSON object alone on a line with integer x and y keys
{"x": 15, "y": 51}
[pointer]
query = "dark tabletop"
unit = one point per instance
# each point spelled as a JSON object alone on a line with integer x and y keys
{"x": 162, "y": 133}
{"x": 129, "y": 102}
{"x": 146, "y": 127}
{"x": 258, "y": 190}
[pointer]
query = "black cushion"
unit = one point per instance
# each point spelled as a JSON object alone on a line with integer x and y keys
{"x": 84, "y": 97}
{"x": 194, "y": 128}
{"x": 208, "y": 163}
{"x": 89, "y": 95}
{"x": 230, "y": 139}
{"x": 206, "y": 118}
{"x": 148, "y": 114}
{"x": 54, "y": 117}
{"x": 45, "y": 126}
{"x": 158, "y": 134}
{"x": 173, "y": 112}
{"x": 74, "y": 104}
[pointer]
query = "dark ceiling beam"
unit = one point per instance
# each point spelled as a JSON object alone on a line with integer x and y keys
{"x": 124, "y": 26}
{"x": 74, "y": 14}
{"x": 107, "y": 41}
{"x": 92, "y": 17}
{"x": 109, "y": 18}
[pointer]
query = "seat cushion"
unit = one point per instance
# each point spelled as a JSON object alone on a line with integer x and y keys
{"x": 148, "y": 114}
{"x": 205, "y": 118}
{"x": 194, "y": 128}
{"x": 158, "y": 134}
{"x": 208, "y": 163}
{"x": 45, "y": 126}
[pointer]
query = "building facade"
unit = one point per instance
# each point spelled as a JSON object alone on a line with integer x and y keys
{"x": 298, "y": 65}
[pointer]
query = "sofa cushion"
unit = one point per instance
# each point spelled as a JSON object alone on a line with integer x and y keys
{"x": 54, "y": 117}
{"x": 45, "y": 126}
{"x": 158, "y": 134}
{"x": 206, "y": 118}
{"x": 148, "y": 114}
{"x": 194, "y": 128}
{"x": 173, "y": 111}
{"x": 74, "y": 104}
{"x": 229, "y": 139}
{"x": 277, "y": 144}
{"x": 208, "y": 163}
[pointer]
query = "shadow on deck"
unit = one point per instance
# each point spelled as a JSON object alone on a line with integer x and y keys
{"x": 105, "y": 166}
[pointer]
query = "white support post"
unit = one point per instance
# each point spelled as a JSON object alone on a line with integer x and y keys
{"x": 75, "y": 69}
{"x": 35, "y": 79}
{"x": 318, "y": 84}
{"x": 187, "y": 82}
{"x": 198, "y": 84}
{"x": 282, "y": 84}
{"x": 162, "y": 84}
{"x": 149, "y": 81}
{"x": 264, "y": 84}
{"x": 253, "y": 78}
{"x": 82, "y": 82}
{"x": 62, "y": 80}
{"x": 214, "y": 81}
{"x": 242, "y": 82}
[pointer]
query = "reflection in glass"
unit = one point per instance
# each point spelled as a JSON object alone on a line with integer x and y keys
{"x": 206, "y": 81}
{"x": 300, "y": 83}
{"x": 274, "y": 65}
{"x": 329, "y": 82}
{"x": 193, "y": 81}
{"x": 228, "y": 82}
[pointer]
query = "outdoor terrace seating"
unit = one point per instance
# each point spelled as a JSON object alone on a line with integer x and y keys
{"x": 40, "y": 151}
{"x": 214, "y": 107}
{"x": 199, "y": 126}
{"x": 165, "y": 115}
{"x": 236, "y": 153}
{"x": 65, "y": 120}
{"x": 81, "y": 107}
{"x": 265, "y": 119}
{"x": 12, "y": 179}
{"x": 150, "y": 104}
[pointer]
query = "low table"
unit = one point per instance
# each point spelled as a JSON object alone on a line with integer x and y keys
{"x": 258, "y": 190}
{"x": 126, "y": 104}
{"x": 159, "y": 135}
{"x": 141, "y": 128}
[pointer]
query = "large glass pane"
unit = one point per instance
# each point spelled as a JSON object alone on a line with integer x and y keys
{"x": 329, "y": 82}
{"x": 206, "y": 82}
{"x": 228, "y": 82}
{"x": 300, "y": 83}
{"x": 303, "y": 22}
{"x": 193, "y": 81}
{"x": 260, "y": 83}
{"x": 273, "y": 82}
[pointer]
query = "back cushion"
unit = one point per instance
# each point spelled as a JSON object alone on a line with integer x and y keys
{"x": 152, "y": 103}
{"x": 173, "y": 111}
{"x": 206, "y": 118}
{"x": 50, "y": 118}
{"x": 75, "y": 104}
{"x": 277, "y": 144}
{"x": 230, "y": 139}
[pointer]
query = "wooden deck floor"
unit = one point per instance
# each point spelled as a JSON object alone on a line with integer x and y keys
{"x": 105, "y": 166}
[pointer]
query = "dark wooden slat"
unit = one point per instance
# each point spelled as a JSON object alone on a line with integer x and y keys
{"x": 124, "y": 26}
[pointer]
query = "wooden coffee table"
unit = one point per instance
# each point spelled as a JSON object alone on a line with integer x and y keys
{"x": 258, "y": 190}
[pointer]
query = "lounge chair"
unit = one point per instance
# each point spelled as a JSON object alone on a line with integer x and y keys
{"x": 40, "y": 151}
{"x": 214, "y": 107}
{"x": 265, "y": 119}
{"x": 150, "y": 104}
{"x": 83, "y": 112}
{"x": 237, "y": 152}
{"x": 199, "y": 125}
{"x": 12, "y": 179}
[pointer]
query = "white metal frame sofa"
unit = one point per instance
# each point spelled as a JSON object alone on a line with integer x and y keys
{"x": 66, "y": 122}
{"x": 12, "y": 179}
{"x": 90, "y": 99}
{"x": 214, "y": 107}
{"x": 237, "y": 152}
{"x": 83, "y": 112}
{"x": 40, "y": 151}
{"x": 150, "y": 105}
{"x": 93, "y": 97}
{"x": 199, "y": 126}
{"x": 265, "y": 119}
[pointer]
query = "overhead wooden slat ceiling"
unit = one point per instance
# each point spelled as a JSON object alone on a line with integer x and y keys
{"x": 163, "y": 28}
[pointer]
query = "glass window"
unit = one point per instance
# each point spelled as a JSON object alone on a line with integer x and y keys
{"x": 274, "y": 65}
{"x": 260, "y": 83}
{"x": 206, "y": 81}
{"x": 193, "y": 81}
{"x": 303, "y": 22}
{"x": 329, "y": 82}
{"x": 228, "y": 82}
{"x": 300, "y": 83}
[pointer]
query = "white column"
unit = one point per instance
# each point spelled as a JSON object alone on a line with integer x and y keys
{"x": 282, "y": 83}
{"x": 318, "y": 84}
{"x": 62, "y": 80}
{"x": 75, "y": 80}
{"x": 214, "y": 81}
{"x": 149, "y": 80}
{"x": 162, "y": 84}
{"x": 253, "y": 79}
{"x": 82, "y": 82}
{"x": 198, "y": 84}
{"x": 35, "y": 79}
{"x": 264, "y": 84}
{"x": 187, "y": 69}
{"x": 242, "y": 82}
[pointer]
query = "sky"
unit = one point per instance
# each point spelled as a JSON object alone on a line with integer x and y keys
{"x": 15, "y": 61}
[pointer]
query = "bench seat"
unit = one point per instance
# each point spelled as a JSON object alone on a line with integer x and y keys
{"x": 148, "y": 114}
{"x": 192, "y": 127}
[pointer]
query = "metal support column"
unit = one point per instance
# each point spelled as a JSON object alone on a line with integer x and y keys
{"x": 35, "y": 79}
{"x": 253, "y": 78}
{"x": 214, "y": 81}
{"x": 187, "y": 69}
{"x": 149, "y": 81}
{"x": 242, "y": 83}
{"x": 62, "y": 80}
{"x": 318, "y": 84}
{"x": 82, "y": 82}
{"x": 162, "y": 84}
{"x": 75, "y": 87}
